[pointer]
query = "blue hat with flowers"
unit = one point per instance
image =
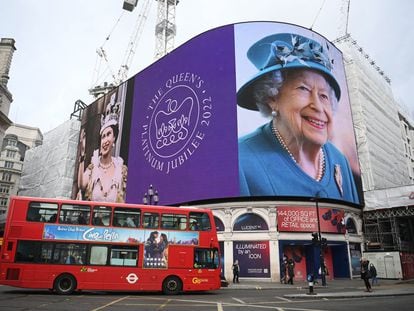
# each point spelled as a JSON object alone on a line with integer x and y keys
{"x": 284, "y": 51}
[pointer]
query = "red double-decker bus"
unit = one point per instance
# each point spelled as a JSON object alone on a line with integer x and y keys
{"x": 67, "y": 245}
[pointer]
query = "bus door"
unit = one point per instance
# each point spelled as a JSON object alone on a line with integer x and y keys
{"x": 123, "y": 263}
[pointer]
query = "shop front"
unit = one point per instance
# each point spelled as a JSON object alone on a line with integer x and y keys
{"x": 261, "y": 235}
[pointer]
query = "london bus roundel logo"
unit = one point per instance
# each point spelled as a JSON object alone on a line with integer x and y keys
{"x": 132, "y": 278}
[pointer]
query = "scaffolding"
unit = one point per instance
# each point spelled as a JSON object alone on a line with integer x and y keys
{"x": 390, "y": 229}
{"x": 78, "y": 110}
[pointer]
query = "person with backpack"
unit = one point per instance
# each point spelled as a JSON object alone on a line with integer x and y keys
{"x": 373, "y": 272}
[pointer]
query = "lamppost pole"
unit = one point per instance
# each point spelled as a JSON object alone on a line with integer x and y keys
{"x": 321, "y": 246}
{"x": 151, "y": 196}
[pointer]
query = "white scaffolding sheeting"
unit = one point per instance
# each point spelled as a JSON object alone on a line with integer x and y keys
{"x": 389, "y": 198}
{"x": 48, "y": 170}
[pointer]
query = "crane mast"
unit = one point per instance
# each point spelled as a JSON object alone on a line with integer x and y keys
{"x": 344, "y": 18}
{"x": 165, "y": 28}
{"x": 130, "y": 52}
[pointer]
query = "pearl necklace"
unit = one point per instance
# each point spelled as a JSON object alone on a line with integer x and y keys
{"x": 105, "y": 167}
{"x": 321, "y": 169}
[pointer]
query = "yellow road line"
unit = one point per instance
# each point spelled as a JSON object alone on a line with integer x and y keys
{"x": 110, "y": 303}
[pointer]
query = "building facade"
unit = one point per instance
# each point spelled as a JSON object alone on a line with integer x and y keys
{"x": 7, "y": 48}
{"x": 385, "y": 147}
{"x": 28, "y": 135}
{"x": 18, "y": 139}
{"x": 376, "y": 120}
{"x": 11, "y": 164}
{"x": 260, "y": 233}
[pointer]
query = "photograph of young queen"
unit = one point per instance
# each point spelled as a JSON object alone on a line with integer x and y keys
{"x": 105, "y": 177}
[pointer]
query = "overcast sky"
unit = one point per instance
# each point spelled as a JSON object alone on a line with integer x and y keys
{"x": 56, "y": 42}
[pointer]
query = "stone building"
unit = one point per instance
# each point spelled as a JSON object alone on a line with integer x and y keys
{"x": 18, "y": 139}
{"x": 384, "y": 133}
{"x": 7, "y": 49}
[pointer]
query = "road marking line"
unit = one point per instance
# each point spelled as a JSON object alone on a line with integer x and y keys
{"x": 164, "y": 304}
{"x": 238, "y": 300}
{"x": 110, "y": 303}
{"x": 196, "y": 301}
{"x": 283, "y": 298}
{"x": 219, "y": 306}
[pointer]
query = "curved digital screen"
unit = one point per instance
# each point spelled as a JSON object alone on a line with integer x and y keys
{"x": 189, "y": 124}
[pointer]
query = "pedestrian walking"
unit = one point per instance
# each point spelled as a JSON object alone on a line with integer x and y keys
{"x": 365, "y": 274}
{"x": 236, "y": 270}
{"x": 291, "y": 271}
{"x": 373, "y": 272}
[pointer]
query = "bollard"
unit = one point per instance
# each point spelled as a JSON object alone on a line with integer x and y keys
{"x": 310, "y": 283}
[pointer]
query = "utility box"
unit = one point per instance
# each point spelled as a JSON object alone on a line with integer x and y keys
{"x": 129, "y": 5}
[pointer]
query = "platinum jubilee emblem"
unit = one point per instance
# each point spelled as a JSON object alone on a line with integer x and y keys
{"x": 177, "y": 117}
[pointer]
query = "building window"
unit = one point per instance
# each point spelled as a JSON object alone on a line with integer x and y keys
{"x": 6, "y": 176}
{"x": 12, "y": 142}
{"x": 4, "y": 188}
{"x": 351, "y": 226}
{"x": 11, "y": 154}
{"x": 219, "y": 224}
{"x": 8, "y": 164}
{"x": 3, "y": 201}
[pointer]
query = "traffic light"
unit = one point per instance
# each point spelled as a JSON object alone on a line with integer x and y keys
{"x": 315, "y": 238}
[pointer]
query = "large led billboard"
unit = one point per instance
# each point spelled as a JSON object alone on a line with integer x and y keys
{"x": 250, "y": 109}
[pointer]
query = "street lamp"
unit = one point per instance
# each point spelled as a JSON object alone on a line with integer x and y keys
{"x": 321, "y": 245}
{"x": 150, "y": 197}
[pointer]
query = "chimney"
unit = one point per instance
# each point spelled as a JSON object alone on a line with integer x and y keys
{"x": 7, "y": 49}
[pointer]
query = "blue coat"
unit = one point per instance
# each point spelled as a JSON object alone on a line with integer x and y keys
{"x": 266, "y": 169}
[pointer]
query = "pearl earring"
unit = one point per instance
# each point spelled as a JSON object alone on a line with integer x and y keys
{"x": 274, "y": 113}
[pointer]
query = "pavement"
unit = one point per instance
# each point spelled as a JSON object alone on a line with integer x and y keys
{"x": 338, "y": 288}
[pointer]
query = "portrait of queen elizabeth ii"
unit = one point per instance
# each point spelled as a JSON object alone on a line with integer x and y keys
{"x": 104, "y": 177}
{"x": 292, "y": 154}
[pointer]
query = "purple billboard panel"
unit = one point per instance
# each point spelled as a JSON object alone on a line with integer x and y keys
{"x": 253, "y": 257}
{"x": 184, "y": 128}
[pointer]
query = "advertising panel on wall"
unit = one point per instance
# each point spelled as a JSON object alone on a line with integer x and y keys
{"x": 253, "y": 257}
{"x": 355, "y": 252}
{"x": 304, "y": 219}
{"x": 183, "y": 123}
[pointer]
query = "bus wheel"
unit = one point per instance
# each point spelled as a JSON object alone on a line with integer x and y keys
{"x": 64, "y": 284}
{"x": 172, "y": 285}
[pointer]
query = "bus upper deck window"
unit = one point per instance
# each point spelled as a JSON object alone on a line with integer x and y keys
{"x": 42, "y": 212}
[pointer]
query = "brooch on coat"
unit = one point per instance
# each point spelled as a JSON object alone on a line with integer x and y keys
{"x": 338, "y": 178}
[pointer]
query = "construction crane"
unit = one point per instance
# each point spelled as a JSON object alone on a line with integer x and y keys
{"x": 165, "y": 30}
{"x": 121, "y": 74}
{"x": 344, "y": 18}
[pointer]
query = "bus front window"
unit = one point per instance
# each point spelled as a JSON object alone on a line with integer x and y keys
{"x": 199, "y": 221}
